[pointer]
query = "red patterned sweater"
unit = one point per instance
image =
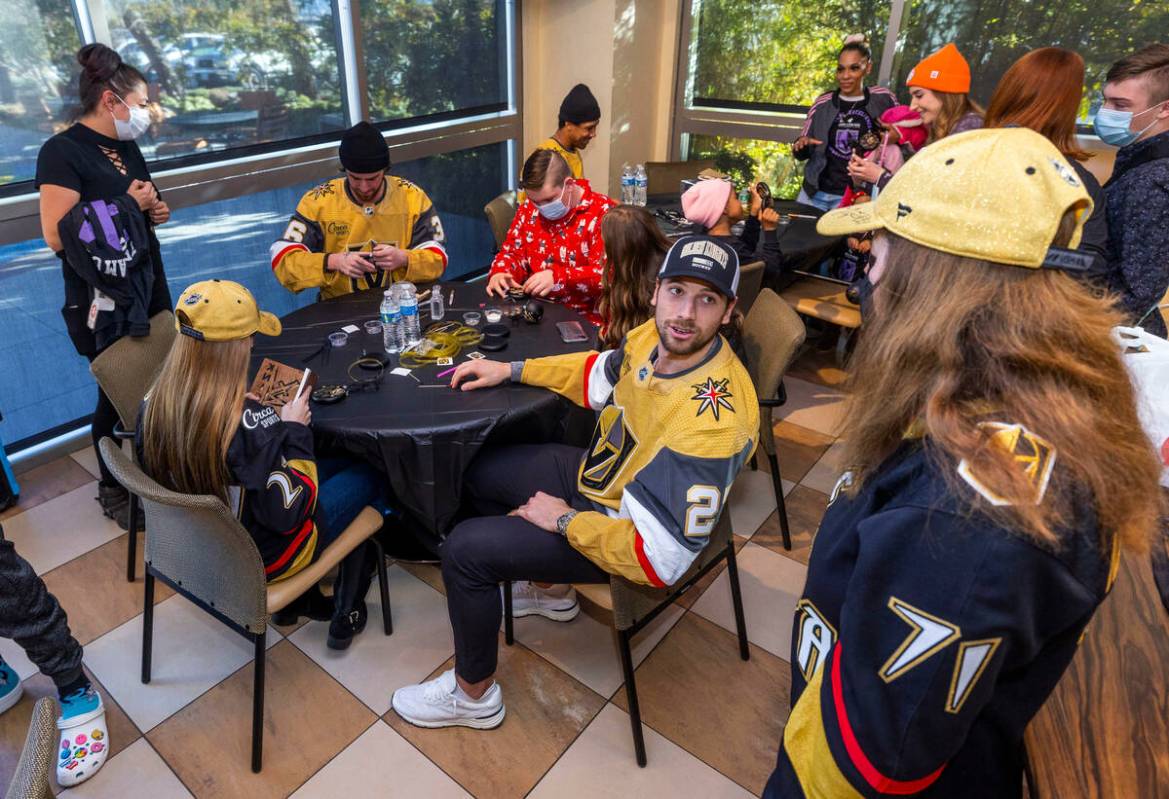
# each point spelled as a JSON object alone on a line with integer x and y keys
{"x": 571, "y": 247}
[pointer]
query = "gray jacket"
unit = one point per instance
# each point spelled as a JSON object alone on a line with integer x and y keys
{"x": 819, "y": 121}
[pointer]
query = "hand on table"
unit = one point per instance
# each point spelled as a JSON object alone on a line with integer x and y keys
{"x": 480, "y": 374}
{"x": 864, "y": 169}
{"x": 144, "y": 193}
{"x": 350, "y": 264}
{"x": 542, "y": 510}
{"x": 159, "y": 213}
{"x": 388, "y": 257}
{"x": 297, "y": 411}
{"x": 500, "y": 283}
{"x": 540, "y": 284}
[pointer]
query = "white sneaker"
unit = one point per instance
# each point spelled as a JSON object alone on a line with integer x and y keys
{"x": 528, "y": 599}
{"x": 434, "y": 704}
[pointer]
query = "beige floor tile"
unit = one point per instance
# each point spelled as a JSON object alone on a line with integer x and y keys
{"x": 752, "y": 500}
{"x": 192, "y": 652}
{"x": 12, "y": 654}
{"x": 374, "y": 664}
{"x": 14, "y": 724}
{"x": 546, "y": 710}
{"x": 587, "y": 648}
{"x": 429, "y": 573}
{"x": 380, "y": 763}
{"x": 695, "y": 690}
{"x": 797, "y": 448}
{"x": 59, "y": 530}
{"x": 827, "y": 471}
{"x": 600, "y": 763}
{"x": 86, "y": 457}
{"x": 772, "y": 584}
{"x": 818, "y": 366}
{"x": 805, "y": 508}
{"x": 815, "y": 407}
{"x": 137, "y": 772}
{"x": 46, "y": 482}
{"x": 93, "y": 589}
{"x": 308, "y": 719}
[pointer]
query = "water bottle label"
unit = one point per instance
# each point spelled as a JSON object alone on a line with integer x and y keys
{"x": 409, "y": 309}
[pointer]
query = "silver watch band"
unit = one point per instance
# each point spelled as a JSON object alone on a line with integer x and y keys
{"x": 565, "y": 520}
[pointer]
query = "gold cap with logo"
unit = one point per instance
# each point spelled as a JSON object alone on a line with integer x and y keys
{"x": 221, "y": 310}
{"x": 994, "y": 194}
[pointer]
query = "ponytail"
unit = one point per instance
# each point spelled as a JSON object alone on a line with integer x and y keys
{"x": 101, "y": 69}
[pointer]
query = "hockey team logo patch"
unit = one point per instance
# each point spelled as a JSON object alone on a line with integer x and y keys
{"x": 609, "y": 450}
{"x": 1030, "y": 454}
{"x": 713, "y": 396}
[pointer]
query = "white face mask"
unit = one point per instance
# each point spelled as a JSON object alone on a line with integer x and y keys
{"x": 139, "y": 122}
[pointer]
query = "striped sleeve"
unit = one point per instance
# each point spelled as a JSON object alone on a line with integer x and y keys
{"x": 298, "y": 257}
{"x": 586, "y": 378}
{"x": 427, "y": 251}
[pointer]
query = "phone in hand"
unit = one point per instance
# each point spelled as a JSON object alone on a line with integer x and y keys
{"x": 571, "y": 332}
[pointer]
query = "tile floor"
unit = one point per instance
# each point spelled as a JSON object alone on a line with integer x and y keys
{"x": 712, "y": 720}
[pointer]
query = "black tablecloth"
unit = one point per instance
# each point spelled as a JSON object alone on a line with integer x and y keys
{"x": 801, "y": 247}
{"x": 423, "y": 437}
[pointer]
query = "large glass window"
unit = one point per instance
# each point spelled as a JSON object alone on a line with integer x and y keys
{"x": 231, "y": 73}
{"x": 747, "y": 160}
{"x": 434, "y": 56}
{"x": 992, "y": 34}
{"x": 241, "y": 229}
{"x": 38, "y": 41}
{"x": 775, "y": 52}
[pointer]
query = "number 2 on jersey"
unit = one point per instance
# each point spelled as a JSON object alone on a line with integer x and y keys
{"x": 705, "y": 502}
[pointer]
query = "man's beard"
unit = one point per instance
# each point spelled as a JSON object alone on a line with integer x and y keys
{"x": 682, "y": 348}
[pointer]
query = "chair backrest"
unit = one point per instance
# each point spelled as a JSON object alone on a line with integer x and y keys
{"x": 665, "y": 177}
{"x": 772, "y": 333}
{"x": 500, "y": 214}
{"x": 31, "y": 778}
{"x": 632, "y": 602}
{"x": 126, "y": 369}
{"x": 197, "y": 543}
{"x": 750, "y": 281}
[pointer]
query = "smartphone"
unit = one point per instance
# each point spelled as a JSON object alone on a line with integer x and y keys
{"x": 571, "y": 332}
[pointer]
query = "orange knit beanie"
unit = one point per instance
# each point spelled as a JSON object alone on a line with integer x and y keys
{"x": 944, "y": 71}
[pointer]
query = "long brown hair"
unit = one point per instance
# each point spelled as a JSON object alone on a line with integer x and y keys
{"x": 192, "y": 415}
{"x": 954, "y": 107}
{"x": 634, "y": 249}
{"x": 1042, "y": 91}
{"x": 953, "y": 339}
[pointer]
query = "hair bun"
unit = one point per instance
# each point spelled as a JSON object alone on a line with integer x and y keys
{"x": 856, "y": 38}
{"x": 99, "y": 61}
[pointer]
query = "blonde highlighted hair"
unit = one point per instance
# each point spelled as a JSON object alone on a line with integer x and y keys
{"x": 193, "y": 413}
{"x": 954, "y": 107}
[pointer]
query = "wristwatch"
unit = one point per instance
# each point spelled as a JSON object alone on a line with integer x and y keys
{"x": 565, "y": 520}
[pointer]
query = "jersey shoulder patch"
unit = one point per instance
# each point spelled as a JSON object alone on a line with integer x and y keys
{"x": 1033, "y": 456}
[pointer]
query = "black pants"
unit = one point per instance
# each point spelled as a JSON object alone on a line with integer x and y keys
{"x": 481, "y": 553}
{"x": 105, "y": 416}
{"x": 32, "y": 617}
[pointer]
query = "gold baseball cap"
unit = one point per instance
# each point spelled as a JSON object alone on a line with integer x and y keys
{"x": 221, "y": 310}
{"x": 994, "y": 194}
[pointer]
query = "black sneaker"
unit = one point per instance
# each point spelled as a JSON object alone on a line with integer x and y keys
{"x": 343, "y": 628}
{"x": 115, "y": 504}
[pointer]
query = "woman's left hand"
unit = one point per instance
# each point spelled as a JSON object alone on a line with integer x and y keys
{"x": 159, "y": 213}
{"x": 863, "y": 169}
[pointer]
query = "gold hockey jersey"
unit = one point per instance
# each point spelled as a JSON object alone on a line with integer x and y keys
{"x": 328, "y": 219}
{"x": 663, "y": 456}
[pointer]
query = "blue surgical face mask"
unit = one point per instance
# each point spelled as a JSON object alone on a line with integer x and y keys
{"x": 1113, "y": 127}
{"x": 554, "y": 209}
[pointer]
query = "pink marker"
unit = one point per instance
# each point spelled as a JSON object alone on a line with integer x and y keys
{"x": 447, "y": 372}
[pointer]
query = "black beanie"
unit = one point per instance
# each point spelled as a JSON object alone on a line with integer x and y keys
{"x": 364, "y": 149}
{"x": 580, "y": 106}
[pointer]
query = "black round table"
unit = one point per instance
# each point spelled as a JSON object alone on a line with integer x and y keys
{"x": 421, "y": 434}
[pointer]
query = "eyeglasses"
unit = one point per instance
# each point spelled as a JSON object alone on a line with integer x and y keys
{"x": 849, "y": 68}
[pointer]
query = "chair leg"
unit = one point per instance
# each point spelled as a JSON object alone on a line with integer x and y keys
{"x": 147, "y": 624}
{"x": 258, "y": 706}
{"x": 631, "y": 696}
{"x": 383, "y": 583}
{"x": 737, "y": 601}
{"x": 132, "y": 555}
{"x": 780, "y": 505}
{"x": 508, "y": 625}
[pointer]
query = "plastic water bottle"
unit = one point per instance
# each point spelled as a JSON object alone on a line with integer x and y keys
{"x": 437, "y": 309}
{"x": 641, "y": 185}
{"x": 391, "y": 314}
{"x": 408, "y": 302}
{"x": 628, "y": 184}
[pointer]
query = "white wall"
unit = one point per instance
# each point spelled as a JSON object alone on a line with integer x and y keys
{"x": 625, "y": 51}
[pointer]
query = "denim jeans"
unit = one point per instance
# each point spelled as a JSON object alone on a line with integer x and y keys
{"x": 821, "y": 199}
{"x": 346, "y": 486}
